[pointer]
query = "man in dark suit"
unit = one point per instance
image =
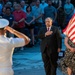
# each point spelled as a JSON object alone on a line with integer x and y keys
{"x": 50, "y": 46}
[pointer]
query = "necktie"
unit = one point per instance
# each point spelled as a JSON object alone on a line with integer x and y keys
{"x": 48, "y": 29}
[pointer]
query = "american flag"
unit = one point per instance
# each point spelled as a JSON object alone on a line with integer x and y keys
{"x": 70, "y": 29}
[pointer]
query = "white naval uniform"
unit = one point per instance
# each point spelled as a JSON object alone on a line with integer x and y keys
{"x": 7, "y": 46}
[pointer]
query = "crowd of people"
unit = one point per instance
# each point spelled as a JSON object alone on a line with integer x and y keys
{"x": 24, "y": 16}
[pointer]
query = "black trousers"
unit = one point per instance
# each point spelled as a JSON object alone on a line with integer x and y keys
{"x": 50, "y": 62}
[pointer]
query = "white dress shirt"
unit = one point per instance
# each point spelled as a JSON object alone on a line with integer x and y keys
{"x": 7, "y": 46}
{"x": 48, "y": 28}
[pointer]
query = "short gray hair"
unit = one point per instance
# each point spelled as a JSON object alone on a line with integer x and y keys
{"x": 48, "y": 18}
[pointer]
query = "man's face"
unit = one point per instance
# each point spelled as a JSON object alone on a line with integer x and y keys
{"x": 48, "y": 22}
{"x": 18, "y": 7}
{"x": 68, "y": 1}
{"x": 8, "y": 11}
{"x": 37, "y": 2}
{"x": 22, "y": 3}
{"x": 49, "y": 3}
{"x": 43, "y": 1}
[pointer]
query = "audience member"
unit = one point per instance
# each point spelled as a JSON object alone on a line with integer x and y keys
{"x": 38, "y": 13}
{"x": 23, "y": 5}
{"x": 30, "y": 22}
{"x": 10, "y": 18}
{"x": 69, "y": 10}
{"x": 50, "y": 11}
{"x": 19, "y": 17}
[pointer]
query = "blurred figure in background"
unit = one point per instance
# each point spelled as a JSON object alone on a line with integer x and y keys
{"x": 14, "y": 6}
{"x": 30, "y": 22}
{"x": 23, "y": 5}
{"x": 55, "y": 3}
{"x": 3, "y": 11}
{"x": 19, "y": 16}
{"x": 9, "y": 4}
{"x": 10, "y": 18}
{"x": 43, "y": 4}
{"x": 38, "y": 13}
{"x": 61, "y": 18}
{"x": 73, "y": 2}
{"x": 50, "y": 11}
{"x": 1, "y": 6}
{"x": 69, "y": 11}
{"x": 60, "y": 4}
{"x": 32, "y": 3}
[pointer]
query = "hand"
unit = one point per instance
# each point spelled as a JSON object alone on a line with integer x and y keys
{"x": 12, "y": 26}
{"x": 72, "y": 49}
{"x": 28, "y": 24}
{"x": 16, "y": 23}
{"x": 48, "y": 33}
{"x": 7, "y": 28}
{"x": 59, "y": 50}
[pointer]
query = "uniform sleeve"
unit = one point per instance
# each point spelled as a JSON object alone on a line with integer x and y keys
{"x": 17, "y": 42}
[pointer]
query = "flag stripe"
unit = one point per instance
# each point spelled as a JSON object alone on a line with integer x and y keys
{"x": 72, "y": 36}
{"x": 70, "y": 29}
{"x": 70, "y": 26}
{"x": 73, "y": 39}
{"x": 71, "y": 20}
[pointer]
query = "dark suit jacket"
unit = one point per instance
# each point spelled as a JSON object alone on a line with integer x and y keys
{"x": 53, "y": 41}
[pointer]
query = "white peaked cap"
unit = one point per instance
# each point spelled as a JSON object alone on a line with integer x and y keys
{"x": 3, "y": 23}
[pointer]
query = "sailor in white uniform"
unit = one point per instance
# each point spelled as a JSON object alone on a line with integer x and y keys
{"x": 7, "y": 46}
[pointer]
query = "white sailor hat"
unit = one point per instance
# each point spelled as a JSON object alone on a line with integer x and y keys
{"x": 3, "y": 23}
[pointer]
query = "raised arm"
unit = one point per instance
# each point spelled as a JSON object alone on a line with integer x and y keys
{"x": 18, "y": 34}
